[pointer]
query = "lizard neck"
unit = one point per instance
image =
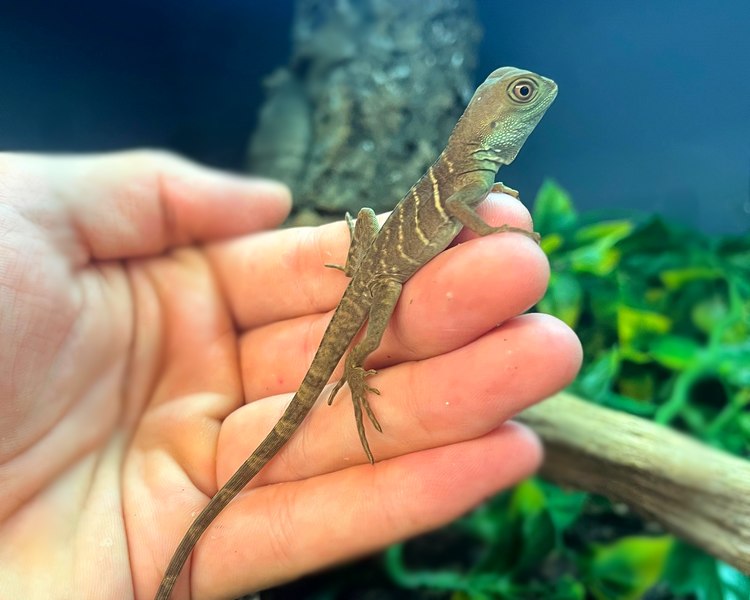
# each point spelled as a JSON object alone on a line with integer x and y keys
{"x": 462, "y": 164}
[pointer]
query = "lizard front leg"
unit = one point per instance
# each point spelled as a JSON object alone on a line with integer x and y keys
{"x": 461, "y": 206}
{"x": 500, "y": 188}
{"x": 385, "y": 294}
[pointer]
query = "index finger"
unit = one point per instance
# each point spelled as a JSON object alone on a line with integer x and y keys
{"x": 281, "y": 275}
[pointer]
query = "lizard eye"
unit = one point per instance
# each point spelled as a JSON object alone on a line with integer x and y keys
{"x": 523, "y": 90}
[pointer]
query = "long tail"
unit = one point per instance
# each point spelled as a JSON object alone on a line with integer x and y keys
{"x": 345, "y": 323}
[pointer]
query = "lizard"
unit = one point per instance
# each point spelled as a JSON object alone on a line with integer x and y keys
{"x": 498, "y": 119}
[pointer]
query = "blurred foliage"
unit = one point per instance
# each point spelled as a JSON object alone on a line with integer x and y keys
{"x": 664, "y": 317}
{"x": 663, "y": 314}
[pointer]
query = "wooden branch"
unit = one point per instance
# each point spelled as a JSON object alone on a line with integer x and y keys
{"x": 698, "y": 493}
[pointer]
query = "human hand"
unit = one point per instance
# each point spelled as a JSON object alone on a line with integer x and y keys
{"x": 143, "y": 360}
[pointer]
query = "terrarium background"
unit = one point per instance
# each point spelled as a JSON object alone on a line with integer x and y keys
{"x": 652, "y": 113}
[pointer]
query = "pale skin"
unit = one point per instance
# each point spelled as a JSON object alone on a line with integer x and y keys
{"x": 152, "y": 334}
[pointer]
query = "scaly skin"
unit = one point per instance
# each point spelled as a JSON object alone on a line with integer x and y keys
{"x": 500, "y": 116}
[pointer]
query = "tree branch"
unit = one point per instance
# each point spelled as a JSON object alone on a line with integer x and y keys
{"x": 698, "y": 493}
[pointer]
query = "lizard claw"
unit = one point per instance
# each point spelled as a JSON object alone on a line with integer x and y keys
{"x": 339, "y": 384}
{"x": 369, "y": 388}
{"x": 371, "y": 415}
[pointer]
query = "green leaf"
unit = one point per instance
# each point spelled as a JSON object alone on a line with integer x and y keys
{"x": 735, "y": 251}
{"x": 596, "y": 379}
{"x": 739, "y": 376}
{"x": 536, "y": 534}
{"x": 675, "y": 352}
{"x": 551, "y": 243}
{"x": 599, "y": 258}
{"x": 560, "y": 588}
{"x": 627, "y": 568}
{"x": 553, "y": 210}
{"x": 416, "y": 578}
{"x": 597, "y": 252}
{"x": 736, "y": 585}
{"x": 564, "y": 588}
{"x": 608, "y": 232}
{"x": 732, "y": 362}
{"x": 564, "y": 299}
{"x": 654, "y": 237}
{"x": 564, "y": 506}
{"x": 636, "y": 326}
{"x": 639, "y": 385}
{"x": 677, "y": 278}
{"x": 708, "y": 313}
{"x": 629, "y": 405}
{"x": 692, "y": 572}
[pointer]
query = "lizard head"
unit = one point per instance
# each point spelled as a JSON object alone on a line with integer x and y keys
{"x": 504, "y": 111}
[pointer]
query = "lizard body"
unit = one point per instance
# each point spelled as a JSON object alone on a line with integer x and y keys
{"x": 500, "y": 116}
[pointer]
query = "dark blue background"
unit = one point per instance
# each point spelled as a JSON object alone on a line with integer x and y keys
{"x": 653, "y": 112}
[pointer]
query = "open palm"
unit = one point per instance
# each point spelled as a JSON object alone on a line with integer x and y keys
{"x": 148, "y": 344}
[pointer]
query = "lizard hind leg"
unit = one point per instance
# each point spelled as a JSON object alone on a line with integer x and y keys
{"x": 361, "y": 233}
{"x": 384, "y": 298}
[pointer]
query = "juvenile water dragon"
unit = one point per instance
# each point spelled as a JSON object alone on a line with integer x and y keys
{"x": 500, "y": 116}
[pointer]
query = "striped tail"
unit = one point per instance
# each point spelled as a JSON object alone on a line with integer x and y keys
{"x": 345, "y": 323}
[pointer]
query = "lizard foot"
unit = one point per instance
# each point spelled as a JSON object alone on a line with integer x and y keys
{"x": 355, "y": 377}
{"x": 500, "y": 188}
{"x": 529, "y": 234}
{"x": 350, "y": 225}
